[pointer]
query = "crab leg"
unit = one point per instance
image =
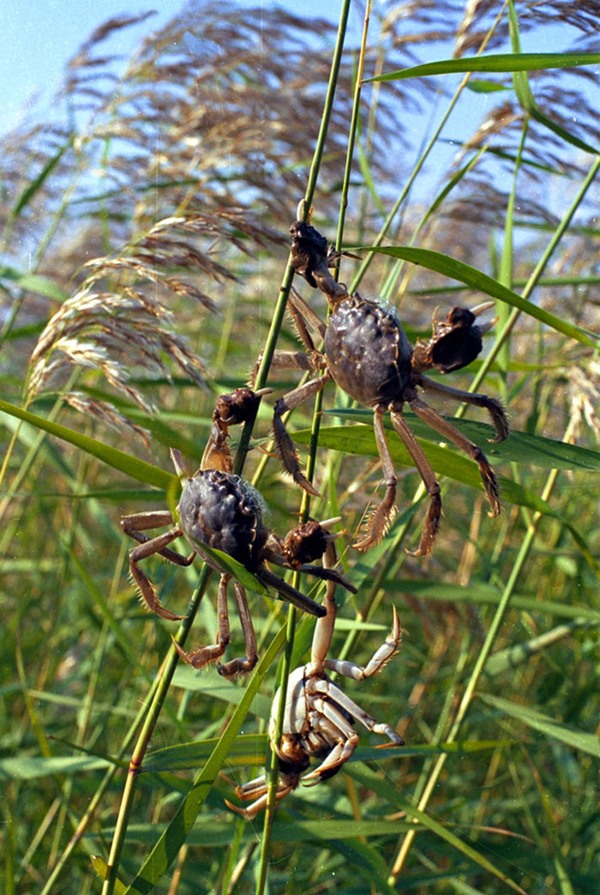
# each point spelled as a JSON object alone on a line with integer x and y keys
{"x": 339, "y": 698}
{"x": 136, "y": 523}
{"x": 441, "y": 425}
{"x": 324, "y": 627}
{"x": 148, "y": 547}
{"x": 432, "y": 521}
{"x": 207, "y": 654}
{"x": 285, "y": 445}
{"x": 236, "y": 666}
{"x": 252, "y": 788}
{"x": 380, "y": 519}
{"x": 289, "y": 593}
{"x": 243, "y": 792}
{"x": 326, "y": 575}
{"x": 322, "y": 634}
{"x": 338, "y": 756}
{"x": 285, "y": 360}
{"x": 217, "y": 454}
{"x": 493, "y": 407}
{"x": 379, "y": 660}
{"x": 343, "y": 749}
{"x": 305, "y": 320}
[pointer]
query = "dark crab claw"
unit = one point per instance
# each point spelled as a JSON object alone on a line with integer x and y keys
{"x": 238, "y": 406}
{"x": 456, "y": 341}
{"x": 231, "y": 409}
{"x": 308, "y": 541}
{"x": 305, "y": 544}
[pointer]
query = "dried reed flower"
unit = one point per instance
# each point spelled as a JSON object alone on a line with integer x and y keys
{"x": 208, "y": 129}
{"x": 584, "y": 395}
{"x": 105, "y": 413}
{"x": 116, "y": 333}
{"x": 123, "y": 327}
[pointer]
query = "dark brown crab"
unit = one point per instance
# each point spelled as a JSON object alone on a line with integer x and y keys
{"x": 367, "y": 353}
{"x": 319, "y": 719}
{"x": 224, "y": 512}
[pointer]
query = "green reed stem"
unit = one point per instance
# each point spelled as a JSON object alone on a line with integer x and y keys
{"x": 473, "y": 681}
{"x": 354, "y": 121}
{"x": 418, "y": 167}
{"x": 273, "y": 775}
{"x": 153, "y": 706}
{"x": 535, "y": 277}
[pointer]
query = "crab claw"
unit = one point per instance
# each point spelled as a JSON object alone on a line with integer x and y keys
{"x": 237, "y": 406}
{"x": 329, "y": 523}
{"x": 481, "y": 309}
{"x": 484, "y": 306}
{"x": 456, "y": 341}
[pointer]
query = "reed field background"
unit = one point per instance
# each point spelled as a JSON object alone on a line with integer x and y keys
{"x": 144, "y": 240}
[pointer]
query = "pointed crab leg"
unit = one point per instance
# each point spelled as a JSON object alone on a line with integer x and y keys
{"x": 206, "y": 654}
{"x": 441, "y": 425}
{"x": 493, "y": 407}
{"x": 285, "y": 445}
{"x": 380, "y": 519}
{"x": 432, "y": 521}
{"x": 237, "y": 666}
{"x": 134, "y": 526}
{"x": 379, "y": 660}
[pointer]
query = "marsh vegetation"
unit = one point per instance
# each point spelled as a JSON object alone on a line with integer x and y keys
{"x": 145, "y": 237}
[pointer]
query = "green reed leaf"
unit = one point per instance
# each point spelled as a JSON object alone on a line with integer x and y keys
{"x": 492, "y": 63}
{"x": 131, "y": 466}
{"x": 576, "y": 739}
{"x": 476, "y": 279}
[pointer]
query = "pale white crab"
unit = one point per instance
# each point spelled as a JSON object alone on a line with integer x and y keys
{"x": 319, "y": 718}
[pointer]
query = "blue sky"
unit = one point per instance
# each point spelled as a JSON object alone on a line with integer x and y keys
{"x": 38, "y": 38}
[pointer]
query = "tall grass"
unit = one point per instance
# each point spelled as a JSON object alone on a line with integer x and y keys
{"x": 144, "y": 251}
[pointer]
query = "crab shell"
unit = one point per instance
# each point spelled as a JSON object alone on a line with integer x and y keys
{"x": 368, "y": 352}
{"x": 224, "y": 512}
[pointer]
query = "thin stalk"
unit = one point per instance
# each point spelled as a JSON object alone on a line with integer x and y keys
{"x": 352, "y": 135}
{"x": 151, "y": 717}
{"x": 273, "y": 769}
{"x": 535, "y": 277}
{"x": 286, "y": 283}
{"x": 418, "y": 166}
{"x": 263, "y": 864}
{"x": 473, "y": 681}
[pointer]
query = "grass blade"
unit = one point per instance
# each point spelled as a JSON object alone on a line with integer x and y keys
{"x": 137, "y": 469}
{"x": 575, "y": 739}
{"x": 493, "y": 63}
{"x": 476, "y": 279}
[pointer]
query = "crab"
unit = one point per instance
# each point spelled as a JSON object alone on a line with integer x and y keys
{"x": 318, "y": 718}
{"x": 367, "y": 353}
{"x": 222, "y": 511}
